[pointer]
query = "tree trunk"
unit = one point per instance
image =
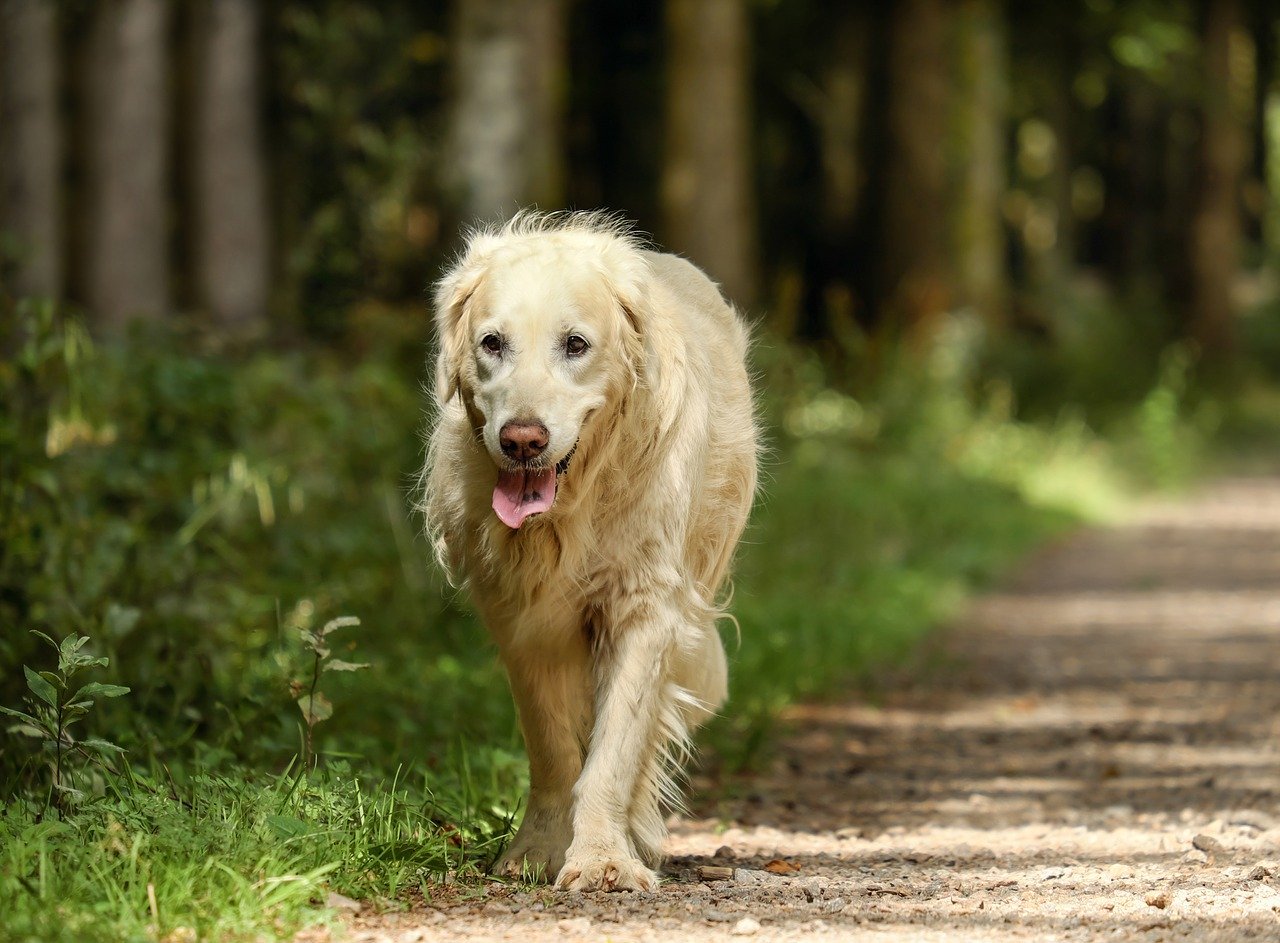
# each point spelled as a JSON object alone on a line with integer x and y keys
{"x": 127, "y": 265}
{"x": 506, "y": 138}
{"x": 838, "y": 110}
{"x": 1266, "y": 166}
{"x": 231, "y": 239}
{"x": 913, "y": 286}
{"x": 1216, "y": 223}
{"x": 708, "y": 197}
{"x": 978, "y": 229}
{"x": 31, "y": 158}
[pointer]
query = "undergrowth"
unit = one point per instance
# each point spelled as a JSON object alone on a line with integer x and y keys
{"x": 202, "y": 517}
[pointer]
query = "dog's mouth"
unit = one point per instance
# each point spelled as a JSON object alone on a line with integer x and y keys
{"x": 527, "y": 489}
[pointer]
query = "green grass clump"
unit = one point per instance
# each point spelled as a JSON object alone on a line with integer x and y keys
{"x": 233, "y": 855}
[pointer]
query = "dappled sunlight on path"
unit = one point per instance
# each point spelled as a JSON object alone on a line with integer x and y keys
{"x": 1098, "y": 755}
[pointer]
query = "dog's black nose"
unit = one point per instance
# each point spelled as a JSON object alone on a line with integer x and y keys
{"x": 523, "y": 440}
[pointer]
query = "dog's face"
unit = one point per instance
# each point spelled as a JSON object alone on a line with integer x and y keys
{"x": 535, "y": 342}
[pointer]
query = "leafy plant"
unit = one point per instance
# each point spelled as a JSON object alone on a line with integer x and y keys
{"x": 55, "y": 708}
{"x": 315, "y": 706}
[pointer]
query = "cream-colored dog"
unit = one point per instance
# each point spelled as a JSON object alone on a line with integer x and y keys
{"x": 591, "y": 469}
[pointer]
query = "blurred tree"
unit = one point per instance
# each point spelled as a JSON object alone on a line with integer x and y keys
{"x": 708, "y": 199}
{"x": 1263, "y": 23}
{"x": 913, "y": 287}
{"x": 31, "y": 158}
{"x": 231, "y": 220}
{"x": 1215, "y": 232}
{"x": 981, "y": 119}
{"x": 128, "y": 161}
{"x": 837, "y": 105}
{"x": 506, "y": 138}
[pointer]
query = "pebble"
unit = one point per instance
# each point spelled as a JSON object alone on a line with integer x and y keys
{"x": 574, "y": 925}
{"x": 724, "y": 851}
{"x": 1052, "y": 874}
{"x": 833, "y": 906}
{"x": 1259, "y": 873}
{"x": 713, "y": 872}
{"x": 1208, "y": 844}
{"x": 1195, "y": 856}
{"x": 747, "y": 926}
{"x": 748, "y": 876}
{"x": 716, "y": 916}
{"x": 1158, "y": 899}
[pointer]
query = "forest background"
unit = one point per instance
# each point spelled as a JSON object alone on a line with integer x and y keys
{"x": 1009, "y": 265}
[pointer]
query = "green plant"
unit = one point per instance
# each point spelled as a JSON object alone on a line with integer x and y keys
{"x": 315, "y": 706}
{"x": 54, "y": 708}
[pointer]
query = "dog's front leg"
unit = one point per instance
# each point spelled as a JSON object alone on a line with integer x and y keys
{"x": 634, "y": 660}
{"x": 552, "y": 691}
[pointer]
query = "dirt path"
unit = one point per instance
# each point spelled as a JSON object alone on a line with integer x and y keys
{"x": 1103, "y": 764}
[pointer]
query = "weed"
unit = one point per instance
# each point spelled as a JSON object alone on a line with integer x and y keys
{"x": 54, "y": 708}
{"x": 314, "y": 705}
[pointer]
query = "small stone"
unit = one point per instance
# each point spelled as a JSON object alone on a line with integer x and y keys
{"x": 1052, "y": 874}
{"x": 713, "y": 872}
{"x": 1259, "y": 873}
{"x": 849, "y": 832}
{"x": 1158, "y": 899}
{"x": 724, "y": 851}
{"x": 1195, "y": 856}
{"x": 574, "y": 925}
{"x": 1208, "y": 844}
{"x": 833, "y": 906}
{"x": 749, "y": 876}
{"x": 336, "y": 901}
{"x": 716, "y": 916}
{"x": 747, "y": 926}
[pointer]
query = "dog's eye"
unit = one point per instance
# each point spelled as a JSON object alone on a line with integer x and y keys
{"x": 492, "y": 343}
{"x": 575, "y": 345}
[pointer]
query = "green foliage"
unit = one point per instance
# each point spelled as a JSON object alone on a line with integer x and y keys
{"x": 886, "y": 501}
{"x": 230, "y": 856}
{"x": 53, "y": 708}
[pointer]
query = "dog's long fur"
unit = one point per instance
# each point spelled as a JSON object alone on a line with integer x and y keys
{"x": 604, "y": 607}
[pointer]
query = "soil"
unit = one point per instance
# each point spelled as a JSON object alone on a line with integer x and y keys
{"x": 1095, "y": 759}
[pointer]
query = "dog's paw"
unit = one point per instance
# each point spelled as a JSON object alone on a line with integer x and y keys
{"x": 529, "y": 864}
{"x": 606, "y": 874}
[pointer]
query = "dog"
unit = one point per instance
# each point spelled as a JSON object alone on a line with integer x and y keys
{"x": 590, "y": 471}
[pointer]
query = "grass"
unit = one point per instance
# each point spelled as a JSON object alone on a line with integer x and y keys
{"x": 200, "y": 515}
{"x": 232, "y": 855}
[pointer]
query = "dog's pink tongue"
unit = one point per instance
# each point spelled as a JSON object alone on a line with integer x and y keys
{"x": 519, "y": 494}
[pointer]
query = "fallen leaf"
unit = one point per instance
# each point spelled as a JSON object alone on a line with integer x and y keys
{"x": 778, "y": 866}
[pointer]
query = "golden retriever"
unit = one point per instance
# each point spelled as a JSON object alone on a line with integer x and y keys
{"x": 589, "y": 473}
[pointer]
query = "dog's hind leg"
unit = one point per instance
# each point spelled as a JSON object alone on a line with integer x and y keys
{"x": 552, "y": 691}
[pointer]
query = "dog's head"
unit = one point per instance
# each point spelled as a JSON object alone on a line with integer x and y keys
{"x": 540, "y": 328}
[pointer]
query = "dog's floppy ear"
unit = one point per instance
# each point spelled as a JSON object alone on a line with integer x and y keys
{"x": 452, "y": 295}
{"x": 629, "y": 278}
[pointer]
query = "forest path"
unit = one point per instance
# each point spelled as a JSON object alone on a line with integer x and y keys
{"x": 1098, "y": 759}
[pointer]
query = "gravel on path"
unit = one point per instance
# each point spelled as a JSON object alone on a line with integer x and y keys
{"x": 1097, "y": 759}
